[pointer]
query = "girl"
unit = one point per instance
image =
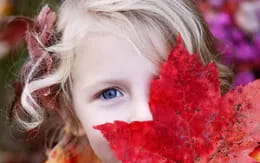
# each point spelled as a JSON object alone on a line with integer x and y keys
{"x": 95, "y": 64}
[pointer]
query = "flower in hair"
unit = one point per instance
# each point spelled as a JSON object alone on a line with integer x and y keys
{"x": 192, "y": 121}
{"x": 40, "y": 34}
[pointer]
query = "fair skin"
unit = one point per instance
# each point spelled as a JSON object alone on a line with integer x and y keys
{"x": 110, "y": 82}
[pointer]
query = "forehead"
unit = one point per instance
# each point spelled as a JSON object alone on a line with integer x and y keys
{"x": 102, "y": 56}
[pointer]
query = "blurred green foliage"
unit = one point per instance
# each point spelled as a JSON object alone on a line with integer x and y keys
{"x": 32, "y": 7}
{"x": 9, "y": 69}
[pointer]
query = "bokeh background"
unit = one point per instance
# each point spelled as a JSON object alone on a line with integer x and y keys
{"x": 236, "y": 23}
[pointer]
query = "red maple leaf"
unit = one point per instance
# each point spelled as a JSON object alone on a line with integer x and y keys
{"x": 192, "y": 122}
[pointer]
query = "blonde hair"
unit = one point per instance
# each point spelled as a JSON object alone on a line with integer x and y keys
{"x": 150, "y": 25}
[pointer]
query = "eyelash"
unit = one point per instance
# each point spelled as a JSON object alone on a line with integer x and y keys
{"x": 99, "y": 95}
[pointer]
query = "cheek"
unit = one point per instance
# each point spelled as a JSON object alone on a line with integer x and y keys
{"x": 91, "y": 115}
{"x": 96, "y": 113}
{"x": 97, "y": 141}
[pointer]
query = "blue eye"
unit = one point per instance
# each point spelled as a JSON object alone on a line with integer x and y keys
{"x": 110, "y": 93}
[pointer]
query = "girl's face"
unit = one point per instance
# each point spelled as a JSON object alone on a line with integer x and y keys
{"x": 110, "y": 82}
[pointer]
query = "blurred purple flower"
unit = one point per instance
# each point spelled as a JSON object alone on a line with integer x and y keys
{"x": 236, "y": 34}
{"x": 245, "y": 52}
{"x": 242, "y": 78}
{"x": 257, "y": 42}
{"x": 218, "y": 24}
{"x": 238, "y": 47}
{"x": 234, "y": 44}
{"x": 216, "y": 3}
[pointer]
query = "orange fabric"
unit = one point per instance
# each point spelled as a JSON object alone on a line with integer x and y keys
{"x": 74, "y": 155}
{"x": 5, "y": 7}
{"x": 256, "y": 154}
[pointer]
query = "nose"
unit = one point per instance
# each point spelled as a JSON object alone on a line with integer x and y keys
{"x": 140, "y": 110}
